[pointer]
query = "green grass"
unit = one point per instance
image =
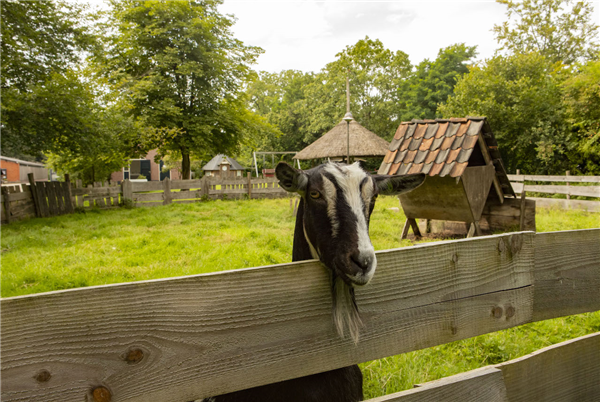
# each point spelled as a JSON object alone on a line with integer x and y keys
{"x": 121, "y": 245}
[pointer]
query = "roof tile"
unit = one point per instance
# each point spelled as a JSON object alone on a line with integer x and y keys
{"x": 395, "y": 144}
{"x": 410, "y": 131}
{"x": 394, "y": 168}
{"x": 458, "y": 142}
{"x": 463, "y": 128}
{"x": 385, "y": 167}
{"x": 469, "y": 142}
{"x": 420, "y": 131}
{"x": 426, "y": 168}
{"x": 458, "y": 169}
{"x": 420, "y": 156}
{"x": 415, "y": 168}
{"x": 400, "y": 156}
{"x": 441, "y": 158}
{"x": 464, "y": 155}
{"x": 389, "y": 158}
{"x": 405, "y": 144}
{"x": 404, "y": 168}
{"x": 447, "y": 143}
{"x": 441, "y": 130}
{"x": 401, "y": 131}
{"x": 458, "y": 119}
{"x": 452, "y": 129}
{"x": 447, "y": 169}
{"x": 426, "y": 144}
{"x": 437, "y": 142}
{"x": 475, "y": 127}
{"x": 415, "y": 143}
{"x": 452, "y": 155}
{"x": 431, "y": 130}
{"x": 431, "y": 156}
{"x": 436, "y": 169}
{"x": 410, "y": 156}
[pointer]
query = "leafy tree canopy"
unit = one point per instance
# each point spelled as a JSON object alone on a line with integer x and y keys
{"x": 181, "y": 70}
{"x": 560, "y": 30}
{"x": 521, "y": 96}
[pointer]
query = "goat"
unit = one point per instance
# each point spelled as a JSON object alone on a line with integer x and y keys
{"x": 332, "y": 225}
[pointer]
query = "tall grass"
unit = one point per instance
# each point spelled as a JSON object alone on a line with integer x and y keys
{"x": 102, "y": 247}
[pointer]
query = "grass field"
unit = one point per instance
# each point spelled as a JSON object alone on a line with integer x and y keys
{"x": 121, "y": 245}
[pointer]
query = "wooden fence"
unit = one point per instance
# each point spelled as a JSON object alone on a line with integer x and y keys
{"x": 57, "y": 198}
{"x": 185, "y": 338}
{"x": 519, "y": 185}
{"x": 148, "y": 194}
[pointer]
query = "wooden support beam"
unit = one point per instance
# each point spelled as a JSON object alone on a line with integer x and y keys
{"x": 6, "y": 201}
{"x": 167, "y": 198}
{"x": 405, "y": 230}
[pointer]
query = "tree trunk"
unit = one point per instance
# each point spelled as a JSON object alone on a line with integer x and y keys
{"x": 185, "y": 165}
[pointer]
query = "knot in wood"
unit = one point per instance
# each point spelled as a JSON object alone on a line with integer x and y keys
{"x": 455, "y": 258}
{"x": 43, "y": 376}
{"x": 101, "y": 394}
{"x": 501, "y": 246}
{"x": 133, "y": 356}
{"x": 497, "y": 312}
{"x": 510, "y": 311}
{"x": 516, "y": 242}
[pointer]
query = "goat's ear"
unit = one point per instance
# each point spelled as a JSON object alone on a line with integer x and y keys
{"x": 291, "y": 179}
{"x": 394, "y": 185}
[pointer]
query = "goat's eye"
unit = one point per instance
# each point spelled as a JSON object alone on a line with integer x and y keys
{"x": 315, "y": 194}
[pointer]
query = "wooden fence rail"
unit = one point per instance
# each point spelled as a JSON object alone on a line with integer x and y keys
{"x": 519, "y": 185}
{"x": 568, "y": 371}
{"x": 182, "y": 339}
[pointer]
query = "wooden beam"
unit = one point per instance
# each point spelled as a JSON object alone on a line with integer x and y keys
{"x": 484, "y": 384}
{"x": 6, "y": 203}
{"x": 568, "y": 371}
{"x": 567, "y": 273}
{"x": 570, "y": 179}
{"x": 405, "y": 230}
{"x": 256, "y": 326}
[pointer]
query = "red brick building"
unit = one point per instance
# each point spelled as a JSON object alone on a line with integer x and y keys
{"x": 16, "y": 170}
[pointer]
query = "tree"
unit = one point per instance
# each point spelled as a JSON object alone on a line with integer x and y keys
{"x": 582, "y": 101}
{"x": 560, "y": 30}
{"x": 433, "y": 81}
{"x": 521, "y": 97}
{"x": 181, "y": 70}
{"x": 41, "y": 91}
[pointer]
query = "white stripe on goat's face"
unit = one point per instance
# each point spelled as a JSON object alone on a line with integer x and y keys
{"x": 356, "y": 188}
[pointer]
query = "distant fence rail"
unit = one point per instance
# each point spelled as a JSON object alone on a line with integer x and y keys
{"x": 56, "y": 198}
{"x": 181, "y": 339}
{"x": 519, "y": 184}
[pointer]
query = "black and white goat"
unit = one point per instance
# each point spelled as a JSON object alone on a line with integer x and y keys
{"x": 332, "y": 225}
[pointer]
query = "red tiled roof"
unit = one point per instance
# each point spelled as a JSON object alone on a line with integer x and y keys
{"x": 442, "y": 147}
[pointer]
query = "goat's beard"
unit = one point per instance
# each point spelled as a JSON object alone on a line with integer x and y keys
{"x": 346, "y": 317}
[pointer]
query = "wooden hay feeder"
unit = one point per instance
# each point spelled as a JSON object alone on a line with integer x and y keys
{"x": 467, "y": 184}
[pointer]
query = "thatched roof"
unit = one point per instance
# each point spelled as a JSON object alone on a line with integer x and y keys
{"x": 334, "y": 144}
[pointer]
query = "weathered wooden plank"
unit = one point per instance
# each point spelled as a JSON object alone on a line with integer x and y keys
{"x": 269, "y": 324}
{"x": 167, "y": 191}
{"x": 185, "y": 184}
{"x": 148, "y": 204}
{"x": 51, "y": 197}
{"x": 36, "y": 194}
{"x": 589, "y": 206}
{"x": 6, "y": 204}
{"x": 146, "y": 186}
{"x": 42, "y": 196}
{"x": 584, "y": 191}
{"x": 141, "y": 197}
{"x": 26, "y": 195}
{"x": 570, "y": 179}
{"x": 567, "y": 273}
{"x": 568, "y": 371}
{"x": 484, "y": 384}
{"x": 186, "y": 195}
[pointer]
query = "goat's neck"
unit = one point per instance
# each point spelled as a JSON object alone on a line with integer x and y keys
{"x": 301, "y": 249}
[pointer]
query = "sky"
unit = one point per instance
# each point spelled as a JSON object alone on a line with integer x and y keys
{"x": 306, "y": 35}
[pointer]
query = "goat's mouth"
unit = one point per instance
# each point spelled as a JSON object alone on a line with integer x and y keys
{"x": 354, "y": 274}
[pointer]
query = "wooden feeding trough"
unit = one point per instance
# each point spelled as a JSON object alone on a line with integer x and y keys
{"x": 467, "y": 186}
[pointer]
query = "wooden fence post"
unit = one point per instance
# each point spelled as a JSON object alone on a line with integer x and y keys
{"x": 167, "y": 191}
{"x": 522, "y": 217}
{"x": 568, "y": 173}
{"x": 249, "y": 185}
{"x": 69, "y": 195}
{"x": 6, "y": 199}
{"x": 34, "y": 194}
{"x": 127, "y": 190}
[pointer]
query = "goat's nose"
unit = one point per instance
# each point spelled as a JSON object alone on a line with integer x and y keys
{"x": 364, "y": 261}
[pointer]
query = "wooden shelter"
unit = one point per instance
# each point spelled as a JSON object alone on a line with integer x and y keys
{"x": 333, "y": 145}
{"x": 467, "y": 181}
{"x": 223, "y": 166}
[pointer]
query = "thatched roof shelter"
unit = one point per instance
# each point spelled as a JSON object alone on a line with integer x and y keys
{"x": 334, "y": 144}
